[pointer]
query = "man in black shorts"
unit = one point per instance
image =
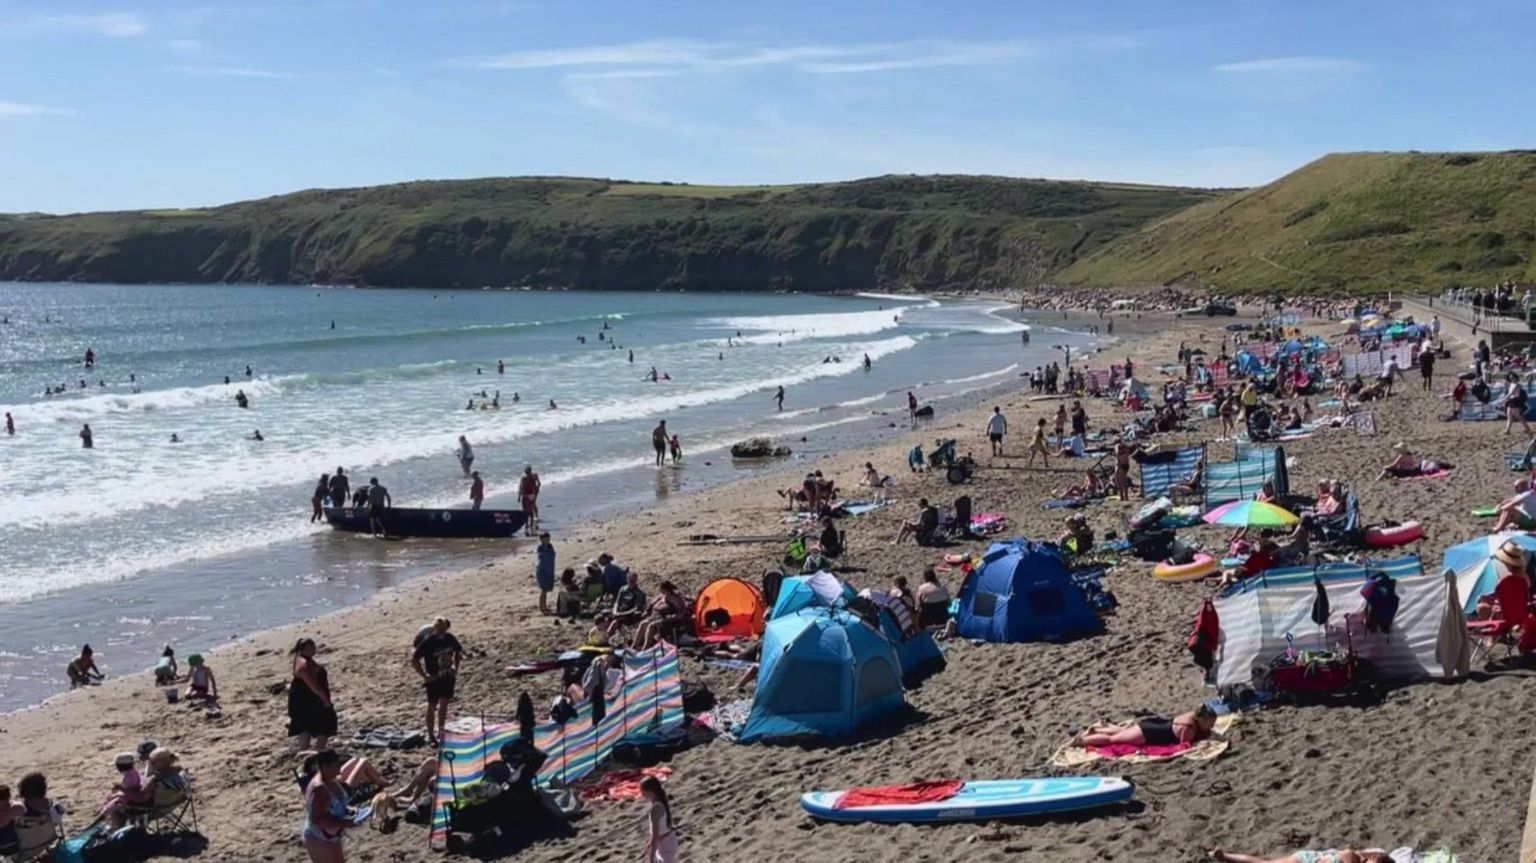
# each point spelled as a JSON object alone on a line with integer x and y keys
{"x": 378, "y": 501}
{"x": 659, "y": 442}
{"x": 436, "y": 658}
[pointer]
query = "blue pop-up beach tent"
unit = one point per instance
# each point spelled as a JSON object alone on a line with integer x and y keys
{"x": 823, "y": 672}
{"x": 1022, "y": 591}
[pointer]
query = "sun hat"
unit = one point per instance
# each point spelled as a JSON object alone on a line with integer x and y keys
{"x": 1511, "y": 555}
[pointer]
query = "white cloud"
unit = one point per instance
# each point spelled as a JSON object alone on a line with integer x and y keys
{"x": 185, "y": 46}
{"x": 117, "y": 25}
{"x": 620, "y": 74}
{"x": 1300, "y": 64}
{"x": 23, "y": 109}
{"x": 228, "y": 72}
{"x": 656, "y": 57}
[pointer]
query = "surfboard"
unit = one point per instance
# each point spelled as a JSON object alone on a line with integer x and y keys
{"x": 983, "y": 800}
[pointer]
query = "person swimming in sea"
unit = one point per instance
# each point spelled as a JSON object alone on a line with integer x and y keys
{"x": 241, "y": 400}
{"x": 175, "y": 438}
{"x": 515, "y": 397}
{"x": 470, "y": 406}
{"x": 552, "y": 405}
{"x": 256, "y": 435}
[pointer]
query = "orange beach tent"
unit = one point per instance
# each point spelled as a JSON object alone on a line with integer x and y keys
{"x": 737, "y": 598}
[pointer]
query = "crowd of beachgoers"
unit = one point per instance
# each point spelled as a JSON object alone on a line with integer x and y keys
{"x": 535, "y": 638}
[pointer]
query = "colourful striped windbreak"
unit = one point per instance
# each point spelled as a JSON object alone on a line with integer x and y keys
{"x": 651, "y": 701}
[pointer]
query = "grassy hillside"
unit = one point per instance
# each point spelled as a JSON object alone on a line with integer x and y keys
{"x": 920, "y": 232}
{"x": 1358, "y": 222}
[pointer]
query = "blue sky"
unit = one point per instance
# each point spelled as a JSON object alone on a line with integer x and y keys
{"x": 113, "y": 105}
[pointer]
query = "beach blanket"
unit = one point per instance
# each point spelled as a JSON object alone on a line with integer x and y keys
{"x": 621, "y": 785}
{"x": 1439, "y": 474}
{"x": 886, "y": 795}
{"x": 988, "y": 523}
{"x": 726, "y": 719}
{"x": 735, "y": 664}
{"x": 1072, "y": 502}
{"x": 1073, "y": 755}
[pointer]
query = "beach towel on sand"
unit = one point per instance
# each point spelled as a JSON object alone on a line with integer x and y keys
{"x": 620, "y": 784}
{"x": 1073, "y": 755}
{"x": 1437, "y": 474}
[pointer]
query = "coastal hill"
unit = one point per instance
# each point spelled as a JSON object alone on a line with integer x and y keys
{"x": 886, "y": 232}
{"x": 1356, "y": 221}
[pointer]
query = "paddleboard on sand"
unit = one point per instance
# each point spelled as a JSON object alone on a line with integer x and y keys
{"x": 983, "y": 800}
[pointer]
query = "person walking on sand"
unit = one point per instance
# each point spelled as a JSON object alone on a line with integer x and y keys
{"x": 1515, "y": 399}
{"x": 544, "y": 570}
{"x": 997, "y": 427}
{"x": 528, "y": 487}
{"x": 436, "y": 658}
{"x": 466, "y": 454}
{"x": 1427, "y": 369}
{"x": 311, "y": 715}
{"x": 87, "y": 440}
{"x": 1038, "y": 446}
{"x": 659, "y": 442}
{"x": 661, "y": 840}
{"x": 378, "y": 502}
{"x": 476, "y": 490}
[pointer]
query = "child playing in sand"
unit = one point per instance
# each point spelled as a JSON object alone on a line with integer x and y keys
{"x": 166, "y": 670}
{"x": 82, "y": 669}
{"x": 200, "y": 681}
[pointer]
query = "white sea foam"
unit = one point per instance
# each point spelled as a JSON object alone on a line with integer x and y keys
{"x": 776, "y": 329}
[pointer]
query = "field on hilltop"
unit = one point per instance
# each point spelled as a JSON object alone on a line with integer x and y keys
{"x": 1348, "y": 222}
{"x": 885, "y": 232}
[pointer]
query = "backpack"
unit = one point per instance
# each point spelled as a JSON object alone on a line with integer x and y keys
{"x": 1381, "y": 602}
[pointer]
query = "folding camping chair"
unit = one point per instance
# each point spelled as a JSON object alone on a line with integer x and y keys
{"x": 37, "y": 836}
{"x": 1513, "y": 596}
{"x": 1365, "y": 423}
{"x": 173, "y": 810}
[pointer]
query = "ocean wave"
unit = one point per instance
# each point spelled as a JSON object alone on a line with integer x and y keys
{"x": 169, "y": 483}
{"x": 776, "y": 329}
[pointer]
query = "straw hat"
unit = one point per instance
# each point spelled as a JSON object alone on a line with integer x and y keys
{"x": 1511, "y": 555}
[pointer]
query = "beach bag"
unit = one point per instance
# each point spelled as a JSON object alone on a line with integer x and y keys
{"x": 1381, "y": 602}
{"x": 794, "y": 553}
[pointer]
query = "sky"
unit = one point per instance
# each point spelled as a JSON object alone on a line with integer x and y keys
{"x": 117, "y": 104}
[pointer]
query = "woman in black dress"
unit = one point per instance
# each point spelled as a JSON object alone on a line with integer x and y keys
{"x": 311, "y": 717}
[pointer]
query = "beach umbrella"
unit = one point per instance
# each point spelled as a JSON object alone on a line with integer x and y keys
{"x": 1453, "y": 646}
{"x": 1479, "y": 566}
{"x": 1250, "y": 513}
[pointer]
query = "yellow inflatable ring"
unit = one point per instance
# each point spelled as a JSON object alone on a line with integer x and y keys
{"x": 1203, "y": 566}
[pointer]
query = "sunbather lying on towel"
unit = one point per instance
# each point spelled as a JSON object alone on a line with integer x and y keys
{"x": 1348, "y": 855}
{"x": 1406, "y": 464}
{"x": 1090, "y": 487}
{"x": 1190, "y": 728}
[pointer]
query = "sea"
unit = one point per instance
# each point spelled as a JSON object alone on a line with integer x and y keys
{"x": 141, "y": 541}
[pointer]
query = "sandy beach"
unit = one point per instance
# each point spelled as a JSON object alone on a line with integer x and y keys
{"x": 1434, "y": 765}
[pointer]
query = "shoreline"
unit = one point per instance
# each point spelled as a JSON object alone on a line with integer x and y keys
{"x": 225, "y": 584}
{"x": 998, "y": 710}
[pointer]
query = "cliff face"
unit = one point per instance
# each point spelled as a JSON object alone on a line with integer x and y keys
{"x": 917, "y": 232}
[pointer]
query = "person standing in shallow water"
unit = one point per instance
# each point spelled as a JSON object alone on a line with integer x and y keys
{"x": 87, "y": 440}
{"x": 659, "y": 442}
{"x": 476, "y": 490}
{"x": 317, "y": 498}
